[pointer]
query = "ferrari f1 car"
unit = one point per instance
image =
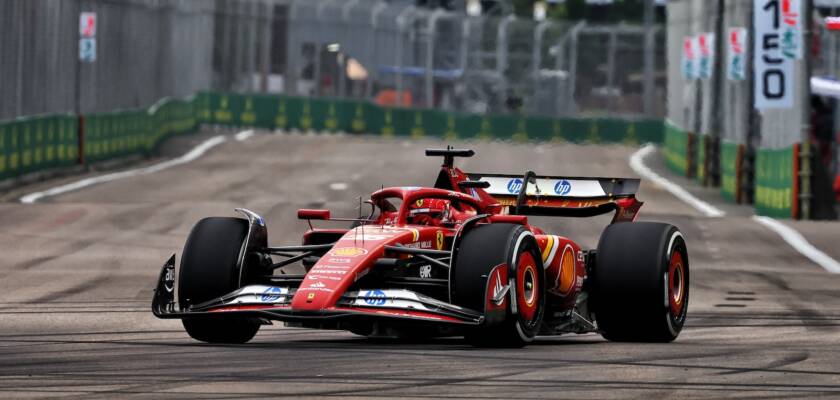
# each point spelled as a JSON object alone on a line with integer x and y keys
{"x": 456, "y": 259}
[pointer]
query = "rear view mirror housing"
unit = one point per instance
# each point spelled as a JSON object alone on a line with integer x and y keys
{"x": 310, "y": 214}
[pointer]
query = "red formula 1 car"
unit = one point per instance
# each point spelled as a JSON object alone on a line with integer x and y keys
{"x": 456, "y": 259}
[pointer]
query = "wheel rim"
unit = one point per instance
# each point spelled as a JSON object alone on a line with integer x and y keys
{"x": 676, "y": 283}
{"x": 527, "y": 286}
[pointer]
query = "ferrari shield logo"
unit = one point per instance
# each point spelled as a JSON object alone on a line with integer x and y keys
{"x": 439, "y": 240}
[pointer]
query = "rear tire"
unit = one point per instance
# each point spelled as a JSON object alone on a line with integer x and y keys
{"x": 641, "y": 282}
{"x": 487, "y": 258}
{"x": 209, "y": 270}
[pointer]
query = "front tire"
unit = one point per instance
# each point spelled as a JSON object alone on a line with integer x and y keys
{"x": 641, "y": 282}
{"x": 209, "y": 270}
{"x": 491, "y": 257}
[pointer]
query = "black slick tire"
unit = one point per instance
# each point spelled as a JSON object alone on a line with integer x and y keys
{"x": 641, "y": 282}
{"x": 209, "y": 270}
{"x": 489, "y": 258}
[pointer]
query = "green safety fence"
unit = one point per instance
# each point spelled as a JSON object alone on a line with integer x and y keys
{"x": 774, "y": 182}
{"x": 127, "y": 132}
{"x": 115, "y": 134}
{"x": 35, "y": 143}
{"x": 700, "y": 168}
{"x": 729, "y": 171}
{"x": 332, "y": 115}
{"x": 675, "y": 148}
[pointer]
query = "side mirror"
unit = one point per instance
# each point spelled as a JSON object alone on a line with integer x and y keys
{"x": 310, "y": 214}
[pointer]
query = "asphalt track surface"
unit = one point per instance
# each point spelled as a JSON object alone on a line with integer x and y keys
{"x": 77, "y": 271}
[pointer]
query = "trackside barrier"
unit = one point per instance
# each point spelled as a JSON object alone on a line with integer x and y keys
{"x": 775, "y": 171}
{"x": 331, "y": 115}
{"x": 32, "y": 144}
{"x": 701, "y": 164}
{"x": 128, "y": 132}
{"x": 675, "y": 149}
{"x": 775, "y": 192}
{"x": 731, "y": 165}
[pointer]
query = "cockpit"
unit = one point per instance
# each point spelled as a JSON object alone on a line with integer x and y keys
{"x": 427, "y": 207}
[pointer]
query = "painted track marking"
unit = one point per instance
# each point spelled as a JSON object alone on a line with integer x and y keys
{"x": 244, "y": 135}
{"x": 791, "y": 236}
{"x": 638, "y": 165}
{"x": 798, "y": 242}
{"x": 193, "y": 154}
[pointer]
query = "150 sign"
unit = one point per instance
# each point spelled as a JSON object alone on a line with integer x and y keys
{"x": 774, "y": 52}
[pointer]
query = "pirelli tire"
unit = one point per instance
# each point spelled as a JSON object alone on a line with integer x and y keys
{"x": 209, "y": 270}
{"x": 493, "y": 259}
{"x": 641, "y": 282}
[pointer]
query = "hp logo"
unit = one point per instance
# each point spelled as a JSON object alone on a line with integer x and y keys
{"x": 375, "y": 297}
{"x": 514, "y": 185}
{"x": 563, "y": 187}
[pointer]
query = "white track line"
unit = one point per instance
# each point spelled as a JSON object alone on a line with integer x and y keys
{"x": 638, "y": 165}
{"x": 193, "y": 154}
{"x": 792, "y": 237}
{"x": 244, "y": 135}
{"x": 798, "y": 242}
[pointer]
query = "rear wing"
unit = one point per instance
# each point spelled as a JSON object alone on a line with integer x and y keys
{"x": 532, "y": 194}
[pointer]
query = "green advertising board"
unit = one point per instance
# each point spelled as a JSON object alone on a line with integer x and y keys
{"x": 357, "y": 116}
{"x": 729, "y": 171}
{"x": 36, "y": 143}
{"x": 675, "y": 149}
{"x": 774, "y": 182}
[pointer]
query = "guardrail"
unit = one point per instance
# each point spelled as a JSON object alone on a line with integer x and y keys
{"x": 773, "y": 179}
{"x": 36, "y": 143}
{"x": 33, "y": 144}
{"x": 126, "y": 132}
{"x": 51, "y": 142}
{"x": 332, "y": 115}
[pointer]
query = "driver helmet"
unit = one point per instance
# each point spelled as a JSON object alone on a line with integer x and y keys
{"x": 429, "y": 212}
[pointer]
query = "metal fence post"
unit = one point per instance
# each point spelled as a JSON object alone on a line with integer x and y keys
{"x": 345, "y": 18}
{"x": 573, "y": 62}
{"x": 806, "y": 167}
{"x": 401, "y": 23}
{"x": 430, "y": 56}
{"x": 371, "y": 48}
{"x": 649, "y": 49}
{"x": 502, "y": 53}
{"x": 19, "y": 68}
{"x": 611, "y": 50}
{"x": 536, "y": 55}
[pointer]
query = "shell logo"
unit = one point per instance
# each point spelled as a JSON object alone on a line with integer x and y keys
{"x": 566, "y": 279}
{"x": 348, "y": 251}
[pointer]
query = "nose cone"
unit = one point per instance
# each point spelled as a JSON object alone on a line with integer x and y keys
{"x": 350, "y": 259}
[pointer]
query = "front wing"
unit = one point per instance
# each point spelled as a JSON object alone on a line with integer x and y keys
{"x": 274, "y": 303}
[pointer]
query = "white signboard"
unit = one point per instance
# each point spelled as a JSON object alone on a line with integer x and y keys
{"x": 688, "y": 57}
{"x": 87, "y": 24}
{"x": 774, "y": 77}
{"x": 736, "y": 59}
{"x": 705, "y": 48}
{"x": 87, "y": 49}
